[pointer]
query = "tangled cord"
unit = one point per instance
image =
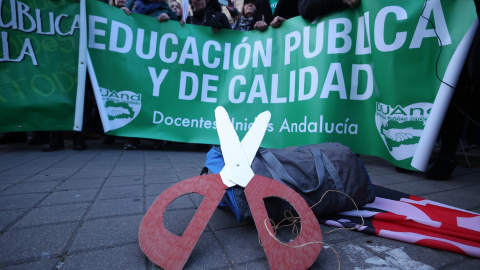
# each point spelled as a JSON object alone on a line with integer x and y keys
{"x": 289, "y": 217}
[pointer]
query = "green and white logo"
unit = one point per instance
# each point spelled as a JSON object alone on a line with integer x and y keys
{"x": 401, "y": 127}
{"x": 121, "y": 106}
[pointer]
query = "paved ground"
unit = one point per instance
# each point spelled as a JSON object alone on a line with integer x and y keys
{"x": 82, "y": 209}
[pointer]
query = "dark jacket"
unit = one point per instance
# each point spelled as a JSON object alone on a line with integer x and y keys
{"x": 310, "y": 9}
{"x": 154, "y": 9}
{"x": 285, "y": 8}
{"x": 211, "y": 16}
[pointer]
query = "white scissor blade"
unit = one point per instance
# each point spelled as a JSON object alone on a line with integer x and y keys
{"x": 252, "y": 140}
{"x": 238, "y": 168}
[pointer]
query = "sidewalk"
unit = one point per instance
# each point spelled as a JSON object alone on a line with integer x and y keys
{"x": 82, "y": 209}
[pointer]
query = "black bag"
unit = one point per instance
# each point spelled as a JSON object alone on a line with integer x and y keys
{"x": 310, "y": 170}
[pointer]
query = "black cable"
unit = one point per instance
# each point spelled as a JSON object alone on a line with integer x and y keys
{"x": 439, "y": 41}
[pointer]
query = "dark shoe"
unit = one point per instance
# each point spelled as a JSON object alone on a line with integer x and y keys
{"x": 52, "y": 146}
{"x": 78, "y": 141}
{"x": 442, "y": 169}
{"x": 132, "y": 144}
{"x": 13, "y": 137}
{"x": 39, "y": 138}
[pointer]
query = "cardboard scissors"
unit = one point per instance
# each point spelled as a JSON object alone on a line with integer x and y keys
{"x": 171, "y": 251}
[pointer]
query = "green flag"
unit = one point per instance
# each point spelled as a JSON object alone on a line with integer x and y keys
{"x": 366, "y": 78}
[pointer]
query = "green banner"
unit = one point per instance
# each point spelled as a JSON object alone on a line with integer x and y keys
{"x": 365, "y": 77}
{"x": 38, "y": 64}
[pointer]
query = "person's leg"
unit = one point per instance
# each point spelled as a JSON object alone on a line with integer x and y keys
{"x": 455, "y": 118}
{"x": 55, "y": 142}
{"x": 131, "y": 144}
{"x": 78, "y": 141}
{"x": 39, "y": 138}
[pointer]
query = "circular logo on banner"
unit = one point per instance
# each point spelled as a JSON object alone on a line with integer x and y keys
{"x": 121, "y": 106}
{"x": 401, "y": 127}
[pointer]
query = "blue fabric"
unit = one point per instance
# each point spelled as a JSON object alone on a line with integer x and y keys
{"x": 229, "y": 197}
{"x": 215, "y": 164}
{"x": 214, "y": 160}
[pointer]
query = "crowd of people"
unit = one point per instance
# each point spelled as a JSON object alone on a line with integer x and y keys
{"x": 259, "y": 15}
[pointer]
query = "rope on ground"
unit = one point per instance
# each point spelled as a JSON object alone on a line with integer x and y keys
{"x": 289, "y": 217}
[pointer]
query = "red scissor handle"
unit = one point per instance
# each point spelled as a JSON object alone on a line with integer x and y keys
{"x": 164, "y": 248}
{"x": 304, "y": 249}
{"x": 171, "y": 251}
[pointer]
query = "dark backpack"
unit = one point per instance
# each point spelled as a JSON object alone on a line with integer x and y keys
{"x": 310, "y": 170}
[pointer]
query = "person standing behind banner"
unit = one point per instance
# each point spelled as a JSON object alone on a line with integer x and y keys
{"x": 249, "y": 19}
{"x": 156, "y": 8}
{"x": 121, "y": 4}
{"x": 177, "y": 8}
{"x": 208, "y": 13}
{"x": 310, "y": 9}
{"x": 275, "y": 12}
{"x": 465, "y": 96}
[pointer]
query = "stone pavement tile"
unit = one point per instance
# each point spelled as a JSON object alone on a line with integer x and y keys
{"x": 186, "y": 173}
{"x": 379, "y": 169}
{"x": 80, "y": 183}
{"x": 69, "y": 164}
{"x": 158, "y": 171}
{"x": 391, "y": 179}
{"x": 207, "y": 254}
{"x": 182, "y": 202}
{"x": 156, "y": 189}
{"x": 37, "y": 265}
{"x": 131, "y": 159}
{"x": 121, "y": 192}
{"x": 475, "y": 209}
{"x": 157, "y": 163}
{"x": 116, "y": 207}
{"x": 53, "y": 214}
{"x": 241, "y": 244}
{"x": 462, "y": 198}
{"x": 176, "y": 221}
{"x": 21, "y": 170}
{"x": 155, "y": 159}
{"x": 13, "y": 179}
{"x": 106, "y": 232}
{"x": 197, "y": 199}
{"x": 382, "y": 253}
{"x": 54, "y": 170}
{"x": 8, "y": 202}
{"x": 224, "y": 219}
{"x": 9, "y": 216}
{"x": 49, "y": 176}
{"x": 90, "y": 174}
{"x": 332, "y": 235}
{"x": 99, "y": 166}
{"x": 121, "y": 257}
{"x": 35, "y": 187}
{"x": 186, "y": 164}
{"x": 137, "y": 171}
{"x": 256, "y": 265}
{"x": 422, "y": 187}
{"x": 464, "y": 263}
{"x": 4, "y": 186}
{"x": 161, "y": 179}
{"x": 114, "y": 181}
{"x": 70, "y": 196}
{"x": 28, "y": 244}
